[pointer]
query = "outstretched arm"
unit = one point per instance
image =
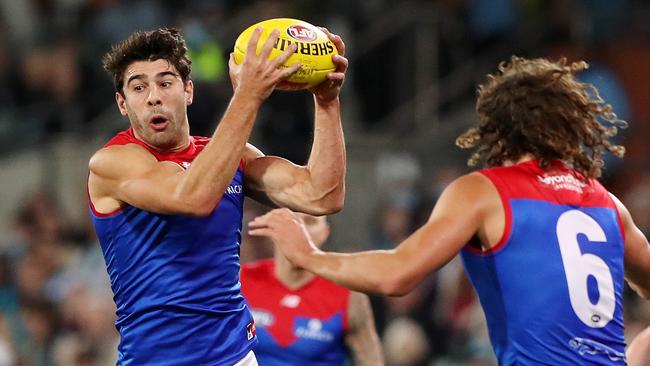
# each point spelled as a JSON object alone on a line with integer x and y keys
{"x": 638, "y": 353}
{"x": 637, "y": 253}
{"x": 319, "y": 187}
{"x": 128, "y": 174}
{"x": 361, "y": 338}
{"x": 462, "y": 211}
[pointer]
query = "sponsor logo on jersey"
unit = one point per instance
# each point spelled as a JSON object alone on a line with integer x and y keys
{"x": 565, "y": 181}
{"x": 250, "y": 330}
{"x": 590, "y": 347}
{"x": 290, "y": 301}
{"x": 263, "y": 318}
{"x": 314, "y": 331}
{"x": 234, "y": 189}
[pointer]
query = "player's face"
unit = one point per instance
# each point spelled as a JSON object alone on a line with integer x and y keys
{"x": 318, "y": 228}
{"x": 155, "y": 100}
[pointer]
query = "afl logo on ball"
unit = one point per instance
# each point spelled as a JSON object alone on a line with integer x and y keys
{"x": 301, "y": 33}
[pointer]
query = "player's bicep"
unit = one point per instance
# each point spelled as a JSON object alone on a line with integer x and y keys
{"x": 637, "y": 262}
{"x": 637, "y": 253}
{"x": 361, "y": 337}
{"x": 125, "y": 175}
{"x": 460, "y": 213}
{"x": 274, "y": 181}
{"x": 639, "y": 350}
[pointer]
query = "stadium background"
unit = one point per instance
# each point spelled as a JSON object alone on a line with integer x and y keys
{"x": 414, "y": 66}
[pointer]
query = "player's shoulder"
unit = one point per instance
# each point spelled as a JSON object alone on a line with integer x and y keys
{"x": 119, "y": 157}
{"x": 474, "y": 183}
{"x": 123, "y": 148}
{"x": 118, "y": 160}
{"x": 470, "y": 194}
{"x": 472, "y": 179}
{"x": 621, "y": 209}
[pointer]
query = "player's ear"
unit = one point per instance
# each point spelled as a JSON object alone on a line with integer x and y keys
{"x": 189, "y": 92}
{"x": 121, "y": 103}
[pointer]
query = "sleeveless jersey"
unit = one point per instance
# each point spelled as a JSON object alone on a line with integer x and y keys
{"x": 552, "y": 287}
{"x": 175, "y": 278}
{"x": 296, "y": 327}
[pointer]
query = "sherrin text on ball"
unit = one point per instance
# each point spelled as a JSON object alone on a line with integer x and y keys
{"x": 314, "y": 49}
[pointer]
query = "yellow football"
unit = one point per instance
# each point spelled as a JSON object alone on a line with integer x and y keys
{"x": 314, "y": 50}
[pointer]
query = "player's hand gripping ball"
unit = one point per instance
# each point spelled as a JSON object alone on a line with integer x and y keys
{"x": 314, "y": 50}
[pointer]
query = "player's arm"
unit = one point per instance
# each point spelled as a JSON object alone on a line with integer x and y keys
{"x": 361, "y": 337}
{"x": 462, "y": 211}
{"x": 319, "y": 187}
{"x": 127, "y": 174}
{"x": 637, "y": 253}
{"x": 638, "y": 353}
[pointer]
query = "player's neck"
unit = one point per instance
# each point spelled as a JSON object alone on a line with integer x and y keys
{"x": 522, "y": 159}
{"x": 289, "y": 275}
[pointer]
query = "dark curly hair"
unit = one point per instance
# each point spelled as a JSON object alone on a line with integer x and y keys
{"x": 538, "y": 107}
{"x": 164, "y": 43}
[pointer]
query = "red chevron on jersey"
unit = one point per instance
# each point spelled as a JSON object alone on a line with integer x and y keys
{"x": 279, "y": 310}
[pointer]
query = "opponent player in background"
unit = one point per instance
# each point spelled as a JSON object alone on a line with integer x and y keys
{"x": 545, "y": 245}
{"x": 302, "y": 319}
{"x": 167, "y": 206}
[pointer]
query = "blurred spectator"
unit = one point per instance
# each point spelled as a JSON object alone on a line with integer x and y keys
{"x": 393, "y": 225}
{"x": 492, "y": 21}
{"x": 40, "y": 322}
{"x": 405, "y": 343}
{"x": 7, "y": 353}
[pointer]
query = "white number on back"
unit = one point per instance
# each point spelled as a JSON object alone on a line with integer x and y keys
{"x": 578, "y": 267}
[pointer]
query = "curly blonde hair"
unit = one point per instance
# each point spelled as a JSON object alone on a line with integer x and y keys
{"x": 535, "y": 106}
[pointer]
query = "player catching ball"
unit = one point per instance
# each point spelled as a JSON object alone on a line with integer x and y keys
{"x": 167, "y": 206}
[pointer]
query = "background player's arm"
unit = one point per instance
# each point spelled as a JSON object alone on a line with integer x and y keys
{"x": 469, "y": 206}
{"x": 637, "y": 253}
{"x": 319, "y": 187}
{"x": 361, "y": 338}
{"x": 130, "y": 175}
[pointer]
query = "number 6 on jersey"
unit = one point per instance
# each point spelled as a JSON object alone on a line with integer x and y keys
{"x": 578, "y": 267}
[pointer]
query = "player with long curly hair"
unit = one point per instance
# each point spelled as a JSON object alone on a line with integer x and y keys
{"x": 546, "y": 246}
{"x": 537, "y": 107}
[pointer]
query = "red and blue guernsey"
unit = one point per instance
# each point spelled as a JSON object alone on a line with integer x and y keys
{"x": 175, "y": 278}
{"x": 305, "y": 326}
{"x": 552, "y": 287}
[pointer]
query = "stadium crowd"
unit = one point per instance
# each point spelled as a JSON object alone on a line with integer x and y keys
{"x": 55, "y": 298}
